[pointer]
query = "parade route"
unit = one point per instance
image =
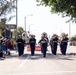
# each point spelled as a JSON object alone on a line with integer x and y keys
{"x": 37, "y": 65}
{"x": 24, "y": 61}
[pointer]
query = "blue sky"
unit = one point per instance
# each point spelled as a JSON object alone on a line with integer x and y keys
{"x": 42, "y": 19}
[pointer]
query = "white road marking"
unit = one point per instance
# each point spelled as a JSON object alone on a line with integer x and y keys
{"x": 23, "y": 62}
{"x": 41, "y": 73}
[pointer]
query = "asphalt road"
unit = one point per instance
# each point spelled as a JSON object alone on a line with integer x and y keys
{"x": 37, "y": 65}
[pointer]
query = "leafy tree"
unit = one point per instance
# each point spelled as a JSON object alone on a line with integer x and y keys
{"x": 2, "y": 22}
{"x": 73, "y": 38}
{"x": 64, "y": 7}
{"x": 7, "y": 7}
{"x": 14, "y": 34}
{"x": 20, "y": 30}
{"x": 2, "y": 25}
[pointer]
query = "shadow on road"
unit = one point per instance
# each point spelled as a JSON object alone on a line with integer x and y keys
{"x": 1, "y": 58}
{"x": 37, "y": 56}
{"x": 29, "y": 57}
{"x": 61, "y": 57}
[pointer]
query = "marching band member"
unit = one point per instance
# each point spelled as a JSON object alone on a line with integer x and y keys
{"x": 20, "y": 45}
{"x": 43, "y": 43}
{"x": 32, "y": 42}
{"x": 54, "y": 43}
{"x": 63, "y": 44}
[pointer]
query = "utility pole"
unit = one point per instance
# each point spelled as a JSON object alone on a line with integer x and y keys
{"x": 16, "y": 18}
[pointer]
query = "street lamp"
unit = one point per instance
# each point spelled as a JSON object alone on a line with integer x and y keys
{"x": 25, "y": 20}
{"x": 30, "y": 28}
{"x": 69, "y": 29}
{"x": 16, "y": 17}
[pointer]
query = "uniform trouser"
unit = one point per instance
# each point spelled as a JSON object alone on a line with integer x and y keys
{"x": 20, "y": 50}
{"x": 41, "y": 49}
{"x": 44, "y": 49}
{"x": 32, "y": 49}
{"x": 54, "y": 49}
{"x": 63, "y": 49}
{"x": 51, "y": 48}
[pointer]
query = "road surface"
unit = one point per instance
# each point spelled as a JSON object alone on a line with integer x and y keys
{"x": 37, "y": 65}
